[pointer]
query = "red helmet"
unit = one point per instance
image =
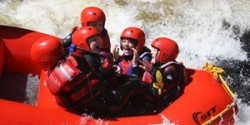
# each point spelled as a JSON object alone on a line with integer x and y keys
{"x": 168, "y": 49}
{"x": 92, "y": 14}
{"x": 136, "y": 34}
{"x": 81, "y": 35}
{"x": 47, "y": 51}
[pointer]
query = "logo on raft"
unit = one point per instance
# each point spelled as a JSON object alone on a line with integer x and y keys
{"x": 200, "y": 117}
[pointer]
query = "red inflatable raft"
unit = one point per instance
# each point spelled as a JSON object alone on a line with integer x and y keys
{"x": 207, "y": 98}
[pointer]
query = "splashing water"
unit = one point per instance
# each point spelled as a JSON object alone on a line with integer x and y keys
{"x": 206, "y": 31}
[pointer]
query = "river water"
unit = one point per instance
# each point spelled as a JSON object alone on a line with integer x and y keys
{"x": 213, "y": 31}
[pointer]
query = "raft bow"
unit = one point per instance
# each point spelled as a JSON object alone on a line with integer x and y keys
{"x": 217, "y": 73}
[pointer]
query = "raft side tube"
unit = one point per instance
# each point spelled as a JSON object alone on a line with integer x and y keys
{"x": 23, "y": 114}
{"x": 203, "y": 99}
{"x": 18, "y": 42}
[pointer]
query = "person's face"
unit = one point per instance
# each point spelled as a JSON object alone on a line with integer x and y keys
{"x": 154, "y": 53}
{"x": 127, "y": 46}
{"x": 98, "y": 25}
{"x": 94, "y": 44}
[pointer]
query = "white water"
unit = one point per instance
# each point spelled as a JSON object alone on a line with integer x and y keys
{"x": 198, "y": 26}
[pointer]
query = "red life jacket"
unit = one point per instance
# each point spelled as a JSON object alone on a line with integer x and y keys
{"x": 127, "y": 67}
{"x": 68, "y": 83}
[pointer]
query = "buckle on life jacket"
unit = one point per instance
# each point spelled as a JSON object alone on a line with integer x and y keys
{"x": 158, "y": 84}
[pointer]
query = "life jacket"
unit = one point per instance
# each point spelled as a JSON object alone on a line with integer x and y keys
{"x": 74, "y": 80}
{"x": 163, "y": 82}
{"x": 127, "y": 67}
{"x": 126, "y": 64}
{"x": 145, "y": 54}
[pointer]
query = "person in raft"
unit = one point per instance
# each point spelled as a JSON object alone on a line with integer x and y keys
{"x": 47, "y": 51}
{"x": 132, "y": 41}
{"x": 166, "y": 81}
{"x": 91, "y": 16}
{"x": 79, "y": 78}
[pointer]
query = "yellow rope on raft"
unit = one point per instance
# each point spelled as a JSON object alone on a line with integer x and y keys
{"x": 219, "y": 115}
{"x": 217, "y": 73}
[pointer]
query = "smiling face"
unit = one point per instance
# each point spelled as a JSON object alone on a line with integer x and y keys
{"x": 94, "y": 44}
{"x": 127, "y": 46}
